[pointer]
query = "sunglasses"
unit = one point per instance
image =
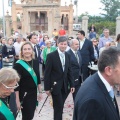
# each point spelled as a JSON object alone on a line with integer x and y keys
{"x": 10, "y": 87}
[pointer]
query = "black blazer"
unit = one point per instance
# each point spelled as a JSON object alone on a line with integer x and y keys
{"x": 5, "y": 53}
{"x": 55, "y": 73}
{"x": 76, "y": 67}
{"x": 93, "y": 101}
{"x": 87, "y": 52}
{"x": 39, "y": 52}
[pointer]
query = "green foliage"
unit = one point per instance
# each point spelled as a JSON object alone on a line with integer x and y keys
{"x": 111, "y": 9}
{"x": 80, "y": 17}
{"x": 94, "y": 19}
{"x": 105, "y": 24}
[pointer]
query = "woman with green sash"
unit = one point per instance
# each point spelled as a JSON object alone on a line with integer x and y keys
{"x": 8, "y": 82}
{"x": 26, "y": 93}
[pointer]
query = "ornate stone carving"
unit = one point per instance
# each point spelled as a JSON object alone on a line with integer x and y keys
{"x": 27, "y": 1}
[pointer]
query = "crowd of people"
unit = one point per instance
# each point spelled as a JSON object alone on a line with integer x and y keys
{"x": 62, "y": 64}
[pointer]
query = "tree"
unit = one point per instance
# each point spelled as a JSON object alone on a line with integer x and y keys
{"x": 111, "y": 9}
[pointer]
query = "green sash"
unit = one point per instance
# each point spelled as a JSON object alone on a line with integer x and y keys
{"x": 29, "y": 69}
{"x": 6, "y": 111}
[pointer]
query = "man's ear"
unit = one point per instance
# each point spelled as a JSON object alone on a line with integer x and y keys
{"x": 108, "y": 70}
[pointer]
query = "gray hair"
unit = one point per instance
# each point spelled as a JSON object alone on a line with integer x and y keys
{"x": 8, "y": 75}
{"x": 72, "y": 41}
{"x": 109, "y": 57}
{"x": 62, "y": 39}
{"x": 105, "y": 30}
{"x": 47, "y": 41}
{"x": 20, "y": 36}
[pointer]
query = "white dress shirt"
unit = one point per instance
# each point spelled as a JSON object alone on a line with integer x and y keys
{"x": 81, "y": 43}
{"x": 17, "y": 47}
{"x": 107, "y": 85}
{"x": 62, "y": 58}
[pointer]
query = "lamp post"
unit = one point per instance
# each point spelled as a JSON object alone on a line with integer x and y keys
{"x": 76, "y": 4}
{"x": 3, "y": 19}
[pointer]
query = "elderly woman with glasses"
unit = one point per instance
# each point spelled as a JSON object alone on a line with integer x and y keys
{"x": 8, "y": 82}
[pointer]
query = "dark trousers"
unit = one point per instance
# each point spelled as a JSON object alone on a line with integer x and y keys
{"x": 77, "y": 86}
{"x": 58, "y": 104}
{"x": 85, "y": 71}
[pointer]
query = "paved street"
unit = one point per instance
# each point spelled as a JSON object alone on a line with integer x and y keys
{"x": 47, "y": 111}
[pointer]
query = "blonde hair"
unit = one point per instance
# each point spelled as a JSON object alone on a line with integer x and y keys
{"x": 9, "y": 39}
{"x": 26, "y": 43}
{"x": 47, "y": 41}
{"x": 8, "y": 75}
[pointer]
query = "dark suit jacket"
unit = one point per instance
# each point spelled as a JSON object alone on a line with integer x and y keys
{"x": 54, "y": 73}
{"x": 87, "y": 52}
{"x": 39, "y": 52}
{"x": 76, "y": 67}
{"x": 93, "y": 101}
{"x": 5, "y": 53}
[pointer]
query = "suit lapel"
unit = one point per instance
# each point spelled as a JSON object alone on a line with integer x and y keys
{"x": 73, "y": 55}
{"x": 65, "y": 62}
{"x": 84, "y": 44}
{"x": 107, "y": 96}
{"x": 58, "y": 60}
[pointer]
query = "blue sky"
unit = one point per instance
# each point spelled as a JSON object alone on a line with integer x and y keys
{"x": 90, "y": 6}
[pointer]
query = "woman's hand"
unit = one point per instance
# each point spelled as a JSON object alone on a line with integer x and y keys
{"x": 19, "y": 107}
{"x": 39, "y": 97}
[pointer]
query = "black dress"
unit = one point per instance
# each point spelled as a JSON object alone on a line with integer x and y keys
{"x": 27, "y": 85}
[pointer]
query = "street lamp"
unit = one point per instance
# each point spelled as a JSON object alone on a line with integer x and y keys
{"x": 76, "y": 4}
{"x": 3, "y": 18}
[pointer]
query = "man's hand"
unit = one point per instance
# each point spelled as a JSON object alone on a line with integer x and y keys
{"x": 72, "y": 90}
{"x": 48, "y": 92}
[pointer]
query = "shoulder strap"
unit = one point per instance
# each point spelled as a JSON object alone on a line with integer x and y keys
{"x": 6, "y": 111}
{"x": 29, "y": 69}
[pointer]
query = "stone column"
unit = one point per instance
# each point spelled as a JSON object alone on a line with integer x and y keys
{"x": 50, "y": 23}
{"x": 26, "y": 22}
{"x": 85, "y": 25}
{"x": 8, "y": 27}
{"x": 70, "y": 17}
{"x": 14, "y": 16}
{"x": 117, "y": 25}
{"x": 57, "y": 19}
{"x": 22, "y": 26}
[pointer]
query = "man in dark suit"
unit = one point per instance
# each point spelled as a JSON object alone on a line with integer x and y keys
{"x": 95, "y": 99}
{"x": 76, "y": 63}
{"x": 58, "y": 77}
{"x": 34, "y": 42}
{"x": 87, "y": 53}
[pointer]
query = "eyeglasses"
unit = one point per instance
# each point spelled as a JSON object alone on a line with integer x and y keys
{"x": 10, "y": 87}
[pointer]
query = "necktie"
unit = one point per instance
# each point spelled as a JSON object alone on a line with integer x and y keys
{"x": 111, "y": 93}
{"x": 62, "y": 60}
{"x": 76, "y": 55}
{"x": 36, "y": 51}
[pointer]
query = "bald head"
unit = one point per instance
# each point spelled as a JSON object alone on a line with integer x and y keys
{"x": 74, "y": 44}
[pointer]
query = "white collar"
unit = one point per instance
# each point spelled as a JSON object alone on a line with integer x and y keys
{"x": 73, "y": 51}
{"x": 60, "y": 51}
{"x": 107, "y": 85}
{"x": 82, "y": 40}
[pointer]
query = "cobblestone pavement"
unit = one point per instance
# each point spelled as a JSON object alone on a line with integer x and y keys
{"x": 47, "y": 111}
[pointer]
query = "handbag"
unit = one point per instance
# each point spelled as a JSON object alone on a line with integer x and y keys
{"x": 19, "y": 115}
